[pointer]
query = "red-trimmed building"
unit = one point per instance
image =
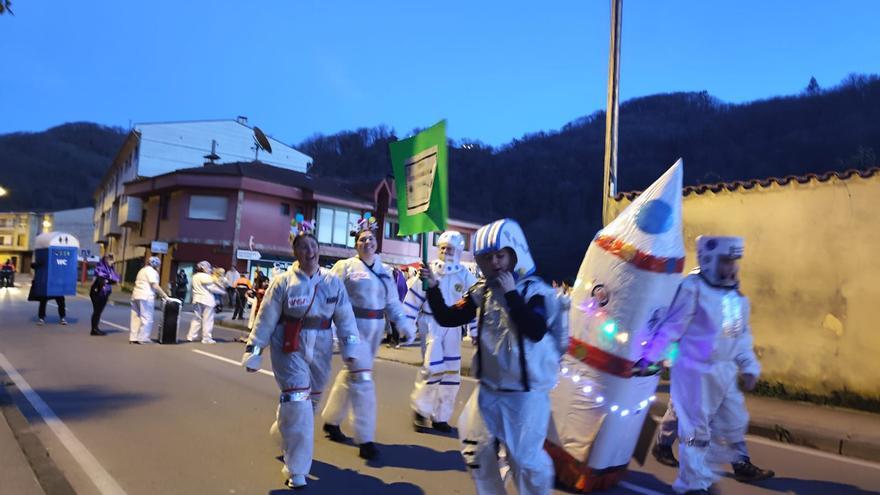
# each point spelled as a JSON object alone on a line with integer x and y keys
{"x": 212, "y": 212}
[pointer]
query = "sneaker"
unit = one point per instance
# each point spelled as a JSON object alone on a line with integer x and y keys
{"x": 209, "y": 341}
{"x": 296, "y": 481}
{"x": 41, "y": 322}
{"x": 664, "y": 455}
{"x": 334, "y": 433}
{"x": 746, "y": 472}
{"x": 442, "y": 426}
{"x": 420, "y": 423}
{"x": 63, "y": 321}
{"x": 368, "y": 451}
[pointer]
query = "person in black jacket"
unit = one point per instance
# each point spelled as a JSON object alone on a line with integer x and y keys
{"x": 105, "y": 277}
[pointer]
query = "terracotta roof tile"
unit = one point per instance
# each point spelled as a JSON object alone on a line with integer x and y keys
{"x": 752, "y": 183}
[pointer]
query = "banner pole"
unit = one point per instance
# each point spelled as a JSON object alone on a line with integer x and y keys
{"x": 424, "y": 257}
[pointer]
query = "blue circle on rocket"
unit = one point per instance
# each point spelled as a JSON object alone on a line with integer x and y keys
{"x": 654, "y": 217}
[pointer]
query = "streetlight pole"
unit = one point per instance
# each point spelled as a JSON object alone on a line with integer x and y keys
{"x": 609, "y": 188}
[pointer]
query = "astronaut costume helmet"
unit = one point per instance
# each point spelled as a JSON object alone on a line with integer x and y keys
{"x": 154, "y": 262}
{"x": 710, "y": 250}
{"x": 506, "y": 233}
{"x": 454, "y": 239}
{"x": 204, "y": 267}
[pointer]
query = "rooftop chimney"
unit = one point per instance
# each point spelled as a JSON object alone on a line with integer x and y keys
{"x": 241, "y": 119}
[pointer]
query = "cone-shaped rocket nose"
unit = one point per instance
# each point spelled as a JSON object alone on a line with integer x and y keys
{"x": 652, "y": 223}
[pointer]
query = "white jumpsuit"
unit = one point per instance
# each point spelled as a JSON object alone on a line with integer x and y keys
{"x": 711, "y": 325}
{"x": 143, "y": 303}
{"x": 514, "y": 401}
{"x": 204, "y": 288}
{"x": 373, "y": 295}
{"x": 440, "y": 376}
{"x": 302, "y": 374}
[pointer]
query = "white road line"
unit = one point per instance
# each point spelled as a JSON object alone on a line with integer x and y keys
{"x": 99, "y": 476}
{"x": 230, "y": 361}
{"x": 817, "y": 453}
{"x": 639, "y": 489}
{"x": 114, "y": 325}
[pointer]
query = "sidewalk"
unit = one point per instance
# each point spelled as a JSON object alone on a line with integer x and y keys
{"x": 15, "y": 470}
{"x": 840, "y": 431}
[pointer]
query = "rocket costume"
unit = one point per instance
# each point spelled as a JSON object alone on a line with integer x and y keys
{"x": 440, "y": 376}
{"x": 373, "y": 295}
{"x": 302, "y": 374}
{"x": 627, "y": 279}
{"x": 709, "y": 318}
{"x": 519, "y": 341}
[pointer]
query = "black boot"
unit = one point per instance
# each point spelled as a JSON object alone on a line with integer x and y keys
{"x": 698, "y": 492}
{"x": 664, "y": 455}
{"x": 746, "y": 472}
{"x": 334, "y": 433}
{"x": 420, "y": 423}
{"x": 98, "y": 332}
{"x": 442, "y": 426}
{"x": 368, "y": 451}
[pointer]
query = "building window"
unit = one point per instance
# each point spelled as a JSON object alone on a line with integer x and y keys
{"x": 391, "y": 229}
{"x": 164, "y": 200}
{"x": 22, "y": 240}
{"x": 5, "y": 240}
{"x": 208, "y": 207}
{"x": 285, "y": 209}
{"x": 334, "y": 225}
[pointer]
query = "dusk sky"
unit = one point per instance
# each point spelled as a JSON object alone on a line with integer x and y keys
{"x": 495, "y": 70}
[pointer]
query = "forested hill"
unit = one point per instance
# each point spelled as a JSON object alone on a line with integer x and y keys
{"x": 552, "y": 182}
{"x": 58, "y": 168}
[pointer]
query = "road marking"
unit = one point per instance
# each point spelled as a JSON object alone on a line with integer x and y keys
{"x": 114, "y": 325}
{"x": 99, "y": 476}
{"x": 809, "y": 451}
{"x": 230, "y": 361}
{"x": 639, "y": 489}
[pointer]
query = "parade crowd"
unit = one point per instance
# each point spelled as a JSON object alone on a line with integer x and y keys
{"x": 515, "y": 321}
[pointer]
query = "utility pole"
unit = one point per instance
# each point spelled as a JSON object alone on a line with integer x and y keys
{"x": 609, "y": 188}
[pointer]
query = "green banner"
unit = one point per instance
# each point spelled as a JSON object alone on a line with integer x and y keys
{"x": 420, "y": 177}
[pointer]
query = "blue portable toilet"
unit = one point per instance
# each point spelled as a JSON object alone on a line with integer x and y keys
{"x": 55, "y": 256}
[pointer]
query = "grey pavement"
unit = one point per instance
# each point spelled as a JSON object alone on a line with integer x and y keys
{"x": 186, "y": 419}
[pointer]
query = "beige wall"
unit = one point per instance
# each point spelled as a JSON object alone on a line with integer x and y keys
{"x": 812, "y": 272}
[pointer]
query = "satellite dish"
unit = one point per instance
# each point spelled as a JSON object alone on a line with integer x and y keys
{"x": 261, "y": 140}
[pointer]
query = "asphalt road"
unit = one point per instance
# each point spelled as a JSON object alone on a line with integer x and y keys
{"x": 119, "y": 418}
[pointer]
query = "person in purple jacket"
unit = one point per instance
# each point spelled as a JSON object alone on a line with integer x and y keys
{"x": 105, "y": 277}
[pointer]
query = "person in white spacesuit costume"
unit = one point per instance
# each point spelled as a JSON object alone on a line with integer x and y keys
{"x": 204, "y": 290}
{"x": 143, "y": 301}
{"x": 374, "y": 296}
{"x": 433, "y": 396}
{"x": 294, "y": 323}
{"x": 519, "y": 344}
{"x": 709, "y": 318}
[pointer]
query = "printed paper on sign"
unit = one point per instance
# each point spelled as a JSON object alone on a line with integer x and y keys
{"x": 420, "y": 172}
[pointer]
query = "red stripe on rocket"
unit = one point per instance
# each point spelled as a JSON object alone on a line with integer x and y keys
{"x": 626, "y": 281}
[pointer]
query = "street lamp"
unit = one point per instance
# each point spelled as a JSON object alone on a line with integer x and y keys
{"x": 3, "y": 191}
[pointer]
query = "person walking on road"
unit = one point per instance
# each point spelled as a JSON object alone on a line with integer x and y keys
{"x": 230, "y": 278}
{"x": 242, "y": 287}
{"x": 709, "y": 318}
{"x": 294, "y": 323}
{"x": 373, "y": 294}
{"x": 143, "y": 301}
{"x": 204, "y": 290}
{"x": 105, "y": 278}
{"x": 41, "y": 309}
{"x": 517, "y": 360}
{"x": 181, "y": 285}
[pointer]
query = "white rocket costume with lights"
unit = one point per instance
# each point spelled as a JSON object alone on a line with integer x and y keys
{"x": 440, "y": 377}
{"x": 302, "y": 374}
{"x": 373, "y": 295}
{"x": 520, "y": 339}
{"x": 709, "y": 318}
